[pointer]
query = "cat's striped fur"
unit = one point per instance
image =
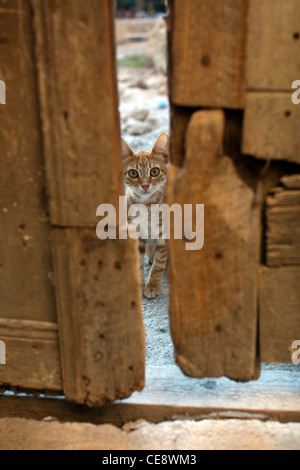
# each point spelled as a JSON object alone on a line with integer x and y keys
{"x": 145, "y": 177}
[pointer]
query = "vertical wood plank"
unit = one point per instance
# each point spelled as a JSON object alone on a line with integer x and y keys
{"x": 25, "y": 249}
{"x": 101, "y": 330}
{"x": 28, "y": 322}
{"x": 99, "y": 304}
{"x": 77, "y": 77}
{"x": 207, "y": 53}
{"x": 213, "y": 292}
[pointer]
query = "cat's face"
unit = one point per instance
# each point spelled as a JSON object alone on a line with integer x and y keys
{"x": 145, "y": 173}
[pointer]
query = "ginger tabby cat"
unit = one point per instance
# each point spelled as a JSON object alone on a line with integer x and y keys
{"x": 145, "y": 177}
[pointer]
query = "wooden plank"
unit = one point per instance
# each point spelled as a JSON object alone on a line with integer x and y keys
{"x": 208, "y": 46}
{"x": 32, "y": 355}
{"x": 283, "y": 228}
{"x": 213, "y": 292}
{"x": 279, "y": 313}
{"x": 26, "y": 288}
{"x": 273, "y": 61}
{"x": 28, "y": 322}
{"x": 275, "y": 390}
{"x": 170, "y": 395}
{"x": 285, "y": 198}
{"x": 100, "y": 319}
{"x": 283, "y": 224}
{"x": 291, "y": 181}
{"x": 271, "y": 127}
{"x": 78, "y": 91}
{"x": 97, "y": 283}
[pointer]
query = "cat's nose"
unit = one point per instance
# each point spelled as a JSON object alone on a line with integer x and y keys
{"x": 145, "y": 187}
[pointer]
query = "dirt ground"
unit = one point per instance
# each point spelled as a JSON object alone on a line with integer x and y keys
{"x": 160, "y": 350}
{"x": 16, "y": 434}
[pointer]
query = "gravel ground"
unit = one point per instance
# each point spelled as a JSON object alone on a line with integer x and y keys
{"x": 160, "y": 350}
{"x": 142, "y": 92}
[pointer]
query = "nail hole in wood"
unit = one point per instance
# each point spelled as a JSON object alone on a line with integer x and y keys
{"x": 206, "y": 61}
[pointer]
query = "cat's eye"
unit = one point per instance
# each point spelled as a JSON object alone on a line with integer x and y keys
{"x": 155, "y": 172}
{"x": 133, "y": 174}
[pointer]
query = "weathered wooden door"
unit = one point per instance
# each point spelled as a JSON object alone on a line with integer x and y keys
{"x": 60, "y": 138}
{"x": 70, "y": 304}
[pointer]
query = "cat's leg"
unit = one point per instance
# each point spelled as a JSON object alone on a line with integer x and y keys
{"x": 153, "y": 288}
{"x": 142, "y": 247}
{"x": 150, "y": 252}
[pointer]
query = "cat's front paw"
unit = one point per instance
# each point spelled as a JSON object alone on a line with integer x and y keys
{"x": 152, "y": 291}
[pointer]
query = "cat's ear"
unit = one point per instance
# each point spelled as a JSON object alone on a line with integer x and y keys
{"x": 162, "y": 147}
{"x": 126, "y": 151}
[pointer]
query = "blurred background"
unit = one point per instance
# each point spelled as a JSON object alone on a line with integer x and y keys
{"x": 140, "y": 8}
{"x": 141, "y": 36}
